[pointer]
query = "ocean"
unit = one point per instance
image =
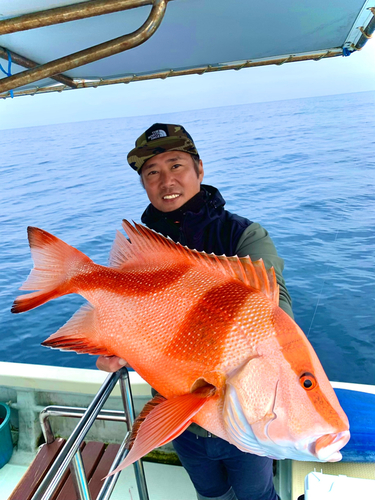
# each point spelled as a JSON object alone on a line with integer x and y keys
{"x": 303, "y": 168}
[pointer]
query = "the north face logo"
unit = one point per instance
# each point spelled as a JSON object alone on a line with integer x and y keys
{"x": 156, "y": 134}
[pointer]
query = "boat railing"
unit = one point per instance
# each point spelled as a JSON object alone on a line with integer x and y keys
{"x": 72, "y": 412}
{"x": 70, "y": 455}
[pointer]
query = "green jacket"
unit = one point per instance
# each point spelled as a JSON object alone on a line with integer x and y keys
{"x": 256, "y": 242}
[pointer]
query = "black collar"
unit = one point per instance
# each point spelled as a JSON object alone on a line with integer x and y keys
{"x": 194, "y": 205}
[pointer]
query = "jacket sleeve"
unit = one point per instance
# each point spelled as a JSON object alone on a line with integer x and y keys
{"x": 256, "y": 242}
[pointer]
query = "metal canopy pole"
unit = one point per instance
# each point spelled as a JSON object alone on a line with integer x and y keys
{"x": 67, "y": 13}
{"x": 171, "y": 73}
{"x": 92, "y": 54}
{"x": 28, "y": 63}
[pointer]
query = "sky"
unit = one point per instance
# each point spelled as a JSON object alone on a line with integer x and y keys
{"x": 338, "y": 75}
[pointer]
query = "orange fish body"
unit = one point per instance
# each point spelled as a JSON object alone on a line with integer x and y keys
{"x": 206, "y": 332}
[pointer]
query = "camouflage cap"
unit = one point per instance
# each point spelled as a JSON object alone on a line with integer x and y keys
{"x": 160, "y": 138}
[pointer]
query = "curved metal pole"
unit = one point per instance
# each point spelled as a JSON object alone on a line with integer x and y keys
{"x": 67, "y": 13}
{"x": 28, "y": 63}
{"x": 74, "y": 412}
{"x": 110, "y": 482}
{"x": 78, "y": 476}
{"x": 54, "y": 475}
{"x": 92, "y": 54}
{"x": 127, "y": 399}
{"x": 171, "y": 73}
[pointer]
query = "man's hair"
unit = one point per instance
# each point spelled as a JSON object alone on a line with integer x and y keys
{"x": 196, "y": 163}
{"x": 195, "y": 159}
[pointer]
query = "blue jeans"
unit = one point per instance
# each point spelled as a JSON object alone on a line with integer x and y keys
{"x": 221, "y": 471}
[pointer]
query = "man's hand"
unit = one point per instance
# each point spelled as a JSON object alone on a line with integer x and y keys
{"x": 110, "y": 363}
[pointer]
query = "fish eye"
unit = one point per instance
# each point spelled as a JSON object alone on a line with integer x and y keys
{"x": 308, "y": 381}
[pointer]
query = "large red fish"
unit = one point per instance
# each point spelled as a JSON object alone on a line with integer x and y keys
{"x": 206, "y": 332}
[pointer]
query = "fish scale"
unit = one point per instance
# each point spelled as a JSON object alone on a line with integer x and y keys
{"x": 206, "y": 332}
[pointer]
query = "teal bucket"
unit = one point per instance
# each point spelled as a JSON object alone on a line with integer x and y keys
{"x": 6, "y": 444}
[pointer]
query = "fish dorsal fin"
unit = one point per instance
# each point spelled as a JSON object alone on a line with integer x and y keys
{"x": 145, "y": 246}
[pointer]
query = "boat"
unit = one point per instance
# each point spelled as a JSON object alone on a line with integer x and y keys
{"x": 220, "y": 36}
{"x": 37, "y": 394}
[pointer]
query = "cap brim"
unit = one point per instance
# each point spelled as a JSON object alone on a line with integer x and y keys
{"x": 138, "y": 156}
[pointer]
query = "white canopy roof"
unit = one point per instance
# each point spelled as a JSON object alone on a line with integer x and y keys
{"x": 194, "y": 36}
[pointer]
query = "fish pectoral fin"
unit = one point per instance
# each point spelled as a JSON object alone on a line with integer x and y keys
{"x": 79, "y": 334}
{"x": 162, "y": 420}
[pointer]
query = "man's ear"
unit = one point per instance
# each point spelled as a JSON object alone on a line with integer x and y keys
{"x": 201, "y": 171}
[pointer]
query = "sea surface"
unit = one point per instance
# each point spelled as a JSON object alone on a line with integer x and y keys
{"x": 304, "y": 169}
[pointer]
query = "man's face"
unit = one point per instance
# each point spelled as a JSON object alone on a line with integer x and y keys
{"x": 170, "y": 179}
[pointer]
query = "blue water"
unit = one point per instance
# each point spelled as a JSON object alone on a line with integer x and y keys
{"x": 304, "y": 169}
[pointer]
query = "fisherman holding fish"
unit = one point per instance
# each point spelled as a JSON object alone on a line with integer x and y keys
{"x": 210, "y": 329}
{"x": 193, "y": 214}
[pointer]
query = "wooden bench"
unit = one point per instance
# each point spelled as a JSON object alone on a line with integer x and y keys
{"x": 97, "y": 459}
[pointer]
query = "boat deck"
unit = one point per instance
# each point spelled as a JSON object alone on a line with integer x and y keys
{"x": 162, "y": 480}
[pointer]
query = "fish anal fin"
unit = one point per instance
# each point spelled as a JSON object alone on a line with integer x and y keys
{"x": 162, "y": 420}
{"x": 79, "y": 334}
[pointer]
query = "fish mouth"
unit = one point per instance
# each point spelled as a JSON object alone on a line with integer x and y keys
{"x": 326, "y": 447}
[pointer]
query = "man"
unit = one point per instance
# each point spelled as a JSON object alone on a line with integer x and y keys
{"x": 193, "y": 214}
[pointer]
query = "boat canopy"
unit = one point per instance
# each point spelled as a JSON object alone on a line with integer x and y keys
{"x": 68, "y": 44}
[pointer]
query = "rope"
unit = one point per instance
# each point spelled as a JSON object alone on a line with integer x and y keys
{"x": 320, "y": 295}
{"x": 9, "y": 72}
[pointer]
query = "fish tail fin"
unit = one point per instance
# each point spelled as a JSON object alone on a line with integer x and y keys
{"x": 54, "y": 264}
{"x": 31, "y": 300}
